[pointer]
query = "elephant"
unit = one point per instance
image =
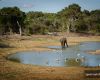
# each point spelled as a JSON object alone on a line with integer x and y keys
{"x": 63, "y": 42}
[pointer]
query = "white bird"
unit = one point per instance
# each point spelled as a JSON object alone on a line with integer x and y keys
{"x": 57, "y": 59}
{"x": 78, "y": 54}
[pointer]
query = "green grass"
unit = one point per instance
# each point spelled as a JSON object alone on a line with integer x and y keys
{"x": 14, "y": 59}
{"x": 72, "y": 62}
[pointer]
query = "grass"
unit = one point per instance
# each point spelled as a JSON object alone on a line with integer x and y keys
{"x": 8, "y": 75}
{"x": 3, "y": 45}
{"x": 14, "y": 59}
{"x": 44, "y": 39}
{"x": 72, "y": 62}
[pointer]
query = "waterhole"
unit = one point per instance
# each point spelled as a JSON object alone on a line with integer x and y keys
{"x": 72, "y": 56}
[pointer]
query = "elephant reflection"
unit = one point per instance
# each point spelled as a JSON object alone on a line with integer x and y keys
{"x": 63, "y": 42}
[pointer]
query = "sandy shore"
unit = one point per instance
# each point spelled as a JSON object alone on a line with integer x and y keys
{"x": 16, "y": 71}
{"x": 94, "y": 52}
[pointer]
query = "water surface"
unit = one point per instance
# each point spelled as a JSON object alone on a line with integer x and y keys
{"x": 72, "y": 56}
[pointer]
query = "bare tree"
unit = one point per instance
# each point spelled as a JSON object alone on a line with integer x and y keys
{"x": 20, "y": 29}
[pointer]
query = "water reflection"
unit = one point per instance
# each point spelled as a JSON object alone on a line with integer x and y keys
{"x": 72, "y": 56}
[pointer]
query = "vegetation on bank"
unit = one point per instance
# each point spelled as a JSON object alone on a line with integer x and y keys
{"x": 69, "y": 19}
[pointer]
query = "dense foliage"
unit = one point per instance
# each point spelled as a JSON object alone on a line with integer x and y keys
{"x": 10, "y": 19}
{"x": 69, "y": 19}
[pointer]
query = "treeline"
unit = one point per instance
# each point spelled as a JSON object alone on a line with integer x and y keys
{"x": 70, "y": 19}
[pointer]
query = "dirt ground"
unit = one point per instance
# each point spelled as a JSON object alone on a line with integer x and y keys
{"x": 10, "y": 70}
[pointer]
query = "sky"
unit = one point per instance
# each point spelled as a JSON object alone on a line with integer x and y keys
{"x": 49, "y": 6}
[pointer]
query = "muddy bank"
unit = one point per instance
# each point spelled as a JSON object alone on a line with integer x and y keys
{"x": 94, "y": 52}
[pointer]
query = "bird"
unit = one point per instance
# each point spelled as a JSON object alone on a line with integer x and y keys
{"x": 57, "y": 59}
{"x": 78, "y": 54}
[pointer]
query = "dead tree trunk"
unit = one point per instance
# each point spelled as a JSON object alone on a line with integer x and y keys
{"x": 20, "y": 29}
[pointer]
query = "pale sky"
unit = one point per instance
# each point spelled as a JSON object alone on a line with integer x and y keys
{"x": 51, "y": 6}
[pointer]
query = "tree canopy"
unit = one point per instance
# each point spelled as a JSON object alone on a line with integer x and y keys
{"x": 69, "y": 19}
{"x": 8, "y": 19}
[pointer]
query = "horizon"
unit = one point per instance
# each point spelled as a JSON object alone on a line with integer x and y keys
{"x": 49, "y": 6}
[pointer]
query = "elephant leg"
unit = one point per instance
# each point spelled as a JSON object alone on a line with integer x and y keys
{"x": 63, "y": 44}
{"x": 66, "y": 43}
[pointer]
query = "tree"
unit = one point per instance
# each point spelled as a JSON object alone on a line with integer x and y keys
{"x": 80, "y": 26}
{"x": 70, "y": 19}
{"x": 9, "y": 17}
{"x": 70, "y": 15}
